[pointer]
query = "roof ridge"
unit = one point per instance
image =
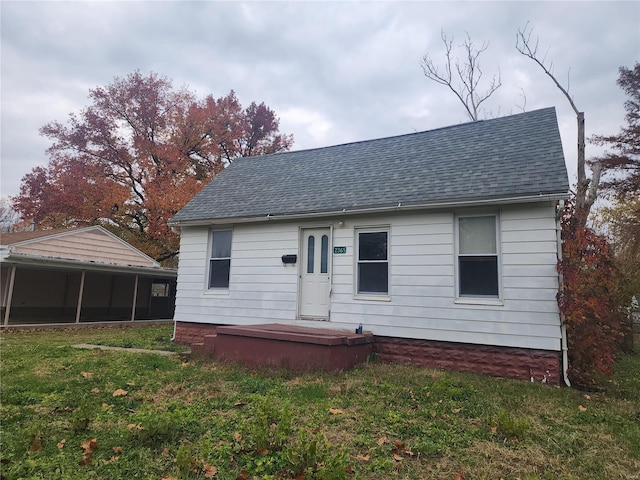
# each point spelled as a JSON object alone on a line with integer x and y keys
{"x": 391, "y": 137}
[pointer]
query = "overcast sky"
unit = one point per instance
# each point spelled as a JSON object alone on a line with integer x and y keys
{"x": 333, "y": 72}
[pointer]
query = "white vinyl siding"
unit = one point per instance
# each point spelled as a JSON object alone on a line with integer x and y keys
{"x": 422, "y": 301}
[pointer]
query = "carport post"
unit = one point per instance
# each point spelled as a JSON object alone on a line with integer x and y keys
{"x": 80, "y": 296}
{"x": 8, "y": 295}
{"x": 135, "y": 299}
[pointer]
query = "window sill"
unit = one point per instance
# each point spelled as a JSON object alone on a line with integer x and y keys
{"x": 217, "y": 292}
{"x": 492, "y": 302}
{"x": 376, "y": 298}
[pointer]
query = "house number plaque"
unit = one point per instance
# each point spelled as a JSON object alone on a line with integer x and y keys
{"x": 339, "y": 250}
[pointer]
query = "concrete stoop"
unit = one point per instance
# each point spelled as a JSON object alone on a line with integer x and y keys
{"x": 278, "y": 345}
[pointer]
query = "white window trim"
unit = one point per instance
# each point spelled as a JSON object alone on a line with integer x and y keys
{"x": 208, "y": 290}
{"x": 384, "y": 297}
{"x": 477, "y": 300}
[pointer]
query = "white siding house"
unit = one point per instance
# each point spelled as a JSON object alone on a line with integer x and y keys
{"x": 445, "y": 236}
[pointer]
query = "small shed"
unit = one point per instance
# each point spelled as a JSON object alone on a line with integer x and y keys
{"x": 75, "y": 276}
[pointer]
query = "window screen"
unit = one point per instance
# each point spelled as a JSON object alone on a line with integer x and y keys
{"x": 478, "y": 256}
{"x": 373, "y": 263}
{"x": 220, "y": 262}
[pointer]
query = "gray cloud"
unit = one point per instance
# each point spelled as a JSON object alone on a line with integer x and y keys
{"x": 334, "y": 72}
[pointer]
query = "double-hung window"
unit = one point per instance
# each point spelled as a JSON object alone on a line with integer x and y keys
{"x": 478, "y": 263}
{"x": 220, "y": 260}
{"x": 373, "y": 262}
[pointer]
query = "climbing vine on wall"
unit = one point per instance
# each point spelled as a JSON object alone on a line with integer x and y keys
{"x": 588, "y": 300}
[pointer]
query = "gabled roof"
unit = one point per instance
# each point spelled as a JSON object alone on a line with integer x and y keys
{"x": 92, "y": 247}
{"x": 508, "y": 158}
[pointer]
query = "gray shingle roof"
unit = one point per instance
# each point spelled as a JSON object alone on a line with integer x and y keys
{"x": 509, "y": 157}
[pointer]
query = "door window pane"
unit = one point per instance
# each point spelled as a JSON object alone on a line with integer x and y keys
{"x": 324, "y": 254}
{"x": 310, "y": 253}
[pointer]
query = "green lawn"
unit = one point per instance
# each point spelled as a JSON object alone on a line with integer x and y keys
{"x": 90, "y": 414}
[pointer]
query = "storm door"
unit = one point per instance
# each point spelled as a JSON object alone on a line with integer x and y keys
{"x": 315, "y": 273}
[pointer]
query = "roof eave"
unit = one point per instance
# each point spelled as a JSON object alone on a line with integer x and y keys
{"x": 54, "y": 262}
{"x": 380, "y": 209}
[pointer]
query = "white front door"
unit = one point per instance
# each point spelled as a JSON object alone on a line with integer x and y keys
{"x": 315, "y": 273}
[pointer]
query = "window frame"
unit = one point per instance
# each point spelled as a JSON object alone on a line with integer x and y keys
{"x": 474, "y": 298}
{"x": 211, "y": 259}
{"x": 385, "y": 296}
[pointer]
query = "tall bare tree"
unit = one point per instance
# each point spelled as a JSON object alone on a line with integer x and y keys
{"x": 587, "y": 189}
{"x": 462, "y": 78}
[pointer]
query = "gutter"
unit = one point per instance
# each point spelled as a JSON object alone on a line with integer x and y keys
{"x": 53, "y": 262}
{"x": 425, "y": 206}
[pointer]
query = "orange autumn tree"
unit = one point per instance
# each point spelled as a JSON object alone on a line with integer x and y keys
{"x": 137, "y": 154}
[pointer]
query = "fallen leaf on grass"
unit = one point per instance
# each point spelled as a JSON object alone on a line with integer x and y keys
{"x": 587, "y": 397}
{"x": 581, "y": 408}
{"x": 117, "y": 450}
{"x": 408, "y": 453}
{"x": 336, "y": 411}
{"x": 237, "y": 437}
{"x": 111, "y": 460}
{"x": 61, "y": 443}
{"x": 95, "y": 390}
{"x": 243, "y": 475}
{"x": 35, "y": 446}
{"x": 398, "y": 445}
{"x": 133, "y": 426}
{"x": 165, "y": 451}
{"x": 89, "y": 445}
{"x": 494, "y": 429}
{"x": 209, "y": 471}
{"x": 239, "y": 404}
{"x": 131, "y": 384}
{"x": 383, "y": 440}
{"x": 86, "y": 460}
{"x": 364, "y": 458}
{"x": 263, "y": 452}
{"x": 397, "y": 457}
{"x": 86, "y": 374}
{"x": 120, "y": 393}
{"x": 106, "y": 405}
{"x": 457, "y": 410}
{"x": 459, "y": 476}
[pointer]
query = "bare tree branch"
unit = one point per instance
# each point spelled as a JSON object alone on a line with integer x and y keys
{"x": 587, "y": 188}
{"x": 468, "y": 74}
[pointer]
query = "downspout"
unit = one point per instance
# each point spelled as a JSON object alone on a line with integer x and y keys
{"x": 173, "y": 338}
{"x": 563, "y": 328}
